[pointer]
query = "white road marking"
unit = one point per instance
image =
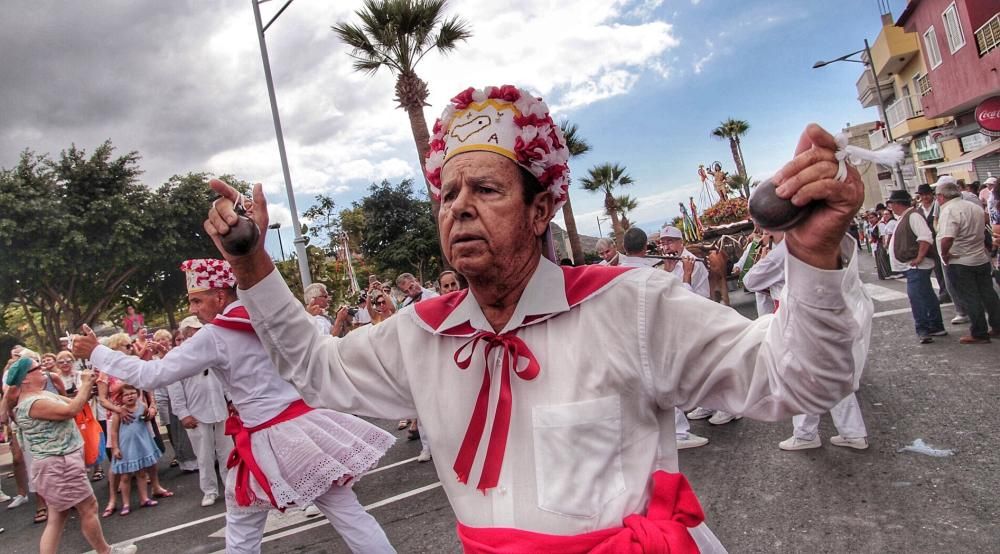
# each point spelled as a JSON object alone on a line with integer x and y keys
{"x": 170, "y": 529}
{"x": 382, "y": 468}
{"x": 901, "y": 311}
{"x": 883, "y": 294}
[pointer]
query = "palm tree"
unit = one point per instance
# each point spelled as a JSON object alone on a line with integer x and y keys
{"x": 396, "y": 35}
{"x": 731, "y": 130}
{"x": 624, "y": 204}
{"x": 607, "y": 178}
{"x": 577, "y": 146}
{"x": 741, "y": 184}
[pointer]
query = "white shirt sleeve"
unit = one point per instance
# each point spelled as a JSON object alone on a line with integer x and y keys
{"x": 345, "y": 374}
{"x": 768, "y": 271}
{"x": 178, "y": 400}
{"x": 920, "y": 228}
{"x": 804, "y": 359}
{"x": 194, "y": 355}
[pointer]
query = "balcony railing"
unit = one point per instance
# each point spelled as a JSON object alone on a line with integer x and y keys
{"x": 988, "y": 36}
{"x": 930, "y": 154}
{"x": 924, "y": 84}
{"x": 878, "y": 139}
{"x": 905, "y": 108}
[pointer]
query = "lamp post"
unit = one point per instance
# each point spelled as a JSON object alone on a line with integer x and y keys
{"x": 300, "y": 241}
{"x": 277, "y": 226}
{"x": 896, "y": 173}
{"x": 600, "y": 233}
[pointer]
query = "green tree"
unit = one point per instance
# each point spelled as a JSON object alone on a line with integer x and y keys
{"x": 396, "y": 35}
{"x": 577, "y": 146}
{"x": 608, "y": 178}
{"x": 325, "y": 224}
{"x": 731, "y": 130}
{"x": 624, "y": 204}
{"x": 741, "y": 184}
{"x": 73, "y": 231}
{"x": 399, "y": 234}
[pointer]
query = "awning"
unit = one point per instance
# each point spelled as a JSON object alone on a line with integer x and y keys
{"x": 967, "y": 158}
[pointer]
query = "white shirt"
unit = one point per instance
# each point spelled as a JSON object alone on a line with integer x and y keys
{"x": 199, "y": 396}
{"x": 767, "y": 278}
{"x": 923, "y": 232}
{"x": 638, "y": 261}
{"x": 425, "y": 295}
{"x": 966, "y": 224}
{"x": 323, "y": 324}
{"x": 585, "y": 433}
{"x": 363, "y": 317}
{"x": 237, "y": 359}
{"x": 699, "y": 277}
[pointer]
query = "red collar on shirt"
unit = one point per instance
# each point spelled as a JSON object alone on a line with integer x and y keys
{"x": 579, "y": 284}
{"x": 235, "y": 317}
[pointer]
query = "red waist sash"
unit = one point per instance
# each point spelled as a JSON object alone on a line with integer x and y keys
{"x": 673, "y": 508}
{"x": 242, "y": 455}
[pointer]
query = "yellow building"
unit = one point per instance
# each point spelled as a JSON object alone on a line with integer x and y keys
{"x": 902, "y": 77}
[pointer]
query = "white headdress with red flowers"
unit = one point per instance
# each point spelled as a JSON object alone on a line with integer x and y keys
{"x": 208, "y": 273}
{"x": 508, "y": 121}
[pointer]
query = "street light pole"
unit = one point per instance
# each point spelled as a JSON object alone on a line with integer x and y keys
{"x": 300, "y": 241}
{"x": 277, "y": 228}
{"x": 897, "y": 174}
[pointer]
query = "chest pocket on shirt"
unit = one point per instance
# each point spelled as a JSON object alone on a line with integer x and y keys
{"x": 578, "y": 455}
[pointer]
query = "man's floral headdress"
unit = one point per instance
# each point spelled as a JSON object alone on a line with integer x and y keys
{"x": 208, "y": 273}
{"x": 505, "y": 120}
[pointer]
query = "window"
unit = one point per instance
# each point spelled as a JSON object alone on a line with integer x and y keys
{"x": 953, "y": 28}
{"x": 988, "y": 36}
{"x": 974, "y": 141}
{"x": 931, "y": 47}
{"x": 923, "y": 85}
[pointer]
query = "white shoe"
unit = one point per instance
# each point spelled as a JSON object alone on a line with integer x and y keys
{"x": 209, "y": 499}
{"x": 722, "y": 418}
{"x": 795, "y": 443}
{"x": 124, "y": 549}
{"x": 3, "y": 497}
{"x": 860, "y": 443}
{"x": 311, "y": 510}
{"x": 188, "y": 466}
{"x": 700, "y": 413}
{"x": 425, "y": 455}
{"x": 960, "y": 320}
{"x": 691, "y": 441}
{"x": 18, "y": 500}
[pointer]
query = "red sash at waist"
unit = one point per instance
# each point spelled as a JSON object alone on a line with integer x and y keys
{"x": 673, "y": 508}
{"x": 242, "y": 455}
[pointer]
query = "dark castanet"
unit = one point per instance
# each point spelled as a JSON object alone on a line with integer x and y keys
{"x": 243, "y": 236}
{"x": 773, "y": 212}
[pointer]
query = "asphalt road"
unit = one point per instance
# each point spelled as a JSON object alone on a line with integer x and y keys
{"x": 757, "y": 498}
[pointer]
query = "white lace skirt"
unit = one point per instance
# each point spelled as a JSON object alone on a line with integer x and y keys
{"x": 303, "y": 457}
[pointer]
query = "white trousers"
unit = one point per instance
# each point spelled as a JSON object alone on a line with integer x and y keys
{"x": 210, "y": 445}
{"x": 846, "y": 418}
{"x": 681, "y": 424}
{"x": 339, "y": 504}
{"x": 424, "y": 443}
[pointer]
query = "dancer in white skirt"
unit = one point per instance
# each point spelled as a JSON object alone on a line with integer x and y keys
{"x": 286, "y": 453}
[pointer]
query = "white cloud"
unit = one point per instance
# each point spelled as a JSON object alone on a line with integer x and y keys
{"x": 279, "y": 213}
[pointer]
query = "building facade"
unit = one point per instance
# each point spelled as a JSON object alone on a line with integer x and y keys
{"x": 960, "y": 47}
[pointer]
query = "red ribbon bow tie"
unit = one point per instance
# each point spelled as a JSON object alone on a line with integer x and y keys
{"x": 513, "y": 350}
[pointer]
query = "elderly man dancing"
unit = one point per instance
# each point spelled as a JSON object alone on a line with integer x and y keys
{"x": 546, "y": 438}
{"x": 286, "y": 452}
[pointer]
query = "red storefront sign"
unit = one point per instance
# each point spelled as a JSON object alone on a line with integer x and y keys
{"x": 988, "y": 116}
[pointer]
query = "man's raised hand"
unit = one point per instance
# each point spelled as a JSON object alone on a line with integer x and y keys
{"x": 811, "y": 177}
{"x": 85, "y": 343}
{"x": 256, "y": 265}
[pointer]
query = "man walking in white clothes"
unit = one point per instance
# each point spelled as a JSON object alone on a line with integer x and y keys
{"x": 286, "y": 453}
{"x": 769, "y": 275}
{"x": 200, "y": 403}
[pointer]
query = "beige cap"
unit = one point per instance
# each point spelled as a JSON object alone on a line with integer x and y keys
{"x": 191, "y": 322}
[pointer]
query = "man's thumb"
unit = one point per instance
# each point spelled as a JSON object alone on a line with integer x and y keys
{"x": 87, "y": 330}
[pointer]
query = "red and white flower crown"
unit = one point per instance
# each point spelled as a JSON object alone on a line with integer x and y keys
{"x": 208, "y": 273}
{"x": 505, "y": 120}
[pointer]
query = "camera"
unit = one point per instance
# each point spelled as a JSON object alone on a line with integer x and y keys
{"x": 352, "y": 311}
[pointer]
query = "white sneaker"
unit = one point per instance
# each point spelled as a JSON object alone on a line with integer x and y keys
{"x": 960, "y": 320}
{"x": 700, "y": 413}
{"x": 795, "y": 443}
{"x": 425, "y": 455}
{"x": 18, "y": 500}
{"x": 860, "y": 443}
{"x": 691, "y": 441}
{"x": 188, "y": 466}
{"x": 209, "y": 499}
{"x": 722, "y": 418}
{"x": 311, "y": 510}
{"x": 3, "y": 497}
{"x": 124, "y": 549}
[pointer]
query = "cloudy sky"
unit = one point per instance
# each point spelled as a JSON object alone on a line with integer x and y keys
{"x": 646, "y": 80}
